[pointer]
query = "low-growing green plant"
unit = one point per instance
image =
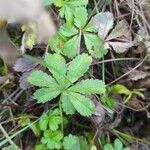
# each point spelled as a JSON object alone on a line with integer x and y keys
{"x": 51, "y": 120}
{"x": 69, "y": 39}
{"x": 72, "y": 97}
{"x": 117, "y": 145}
{"x": 67, "y": 8}
{"x": 121, "y": 89}
{"x": 55, "y": 140}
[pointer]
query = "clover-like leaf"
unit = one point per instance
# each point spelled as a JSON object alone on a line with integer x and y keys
{"x": 71, "y": 141}
{"x": 52, "y": 139}
{"x": 78, "y": 67}
{"x": 67, "y": 106}
{"x": 45, "y": 94}
{"x": 41, "y": 79}
{"x": 82, "y": 104}
{"x": 57, "y": 66}
{"x": 89, "y": 86}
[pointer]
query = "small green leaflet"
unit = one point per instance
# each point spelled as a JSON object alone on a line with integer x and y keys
{"x": 78, "y": 67}
{"x": 51, "y": 121}
{"x": 82, "y": 104}
{"x": 71, "y": 141}
{"x": 89, "y": 86}
{"x": 72, "y": 98}
{"x": 45, "y": 94}
{"x": 67, "y": 8}
{"x": 52, "y": 139}
{"x": 80, "y": 17}
{"x": 117, "y": 145}
{"x": 76, "y": 142}
{"x": 71, "y": 47}
{"x": 120, "y": 89}
{"x": 40, "y": 147}
{"x": 41, "y": 79}
{"x": 67, "y": 105}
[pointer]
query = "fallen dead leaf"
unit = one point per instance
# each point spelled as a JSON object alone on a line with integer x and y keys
{"x": 119, "y": 39}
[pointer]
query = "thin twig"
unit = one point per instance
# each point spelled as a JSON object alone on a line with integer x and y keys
{"x": 129, "y": 71}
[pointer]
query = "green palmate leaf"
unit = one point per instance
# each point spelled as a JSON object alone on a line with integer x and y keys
{"x": 43, "y": 123}
{"x": 78, "y": 67}
{"x": 45, "y": 94}
{"x": 41, "y": 79}
{"x": 71, "y": 142}
{"x": 54, "y": 119}
{"x": 94, "y": 45}
{"x": 68, "y": 31}
{"x": 57, "y": 66}
{"x": 71, "y": 47}
{"x": 52, "y": 139}
{"x": 67, "y": 106}
{"x": 82, "y": 104}
{"x": 80, "y": 17}
{"x": 89, "y": 86}
{"x": 68, "y": 8}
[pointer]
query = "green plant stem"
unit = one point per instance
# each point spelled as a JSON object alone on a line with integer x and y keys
{"x": 17, "y": 133}
{"x": 33, "y": 59}
{"x": 97, "y": 11}
{"x": 7, "y": 136}
{"x": 103, "y": 71}
{"x": 61, "y": 114}
{"x": 128, "y": 98}
{"x": 131, "y": 137}
{"x": 6, "y": 70}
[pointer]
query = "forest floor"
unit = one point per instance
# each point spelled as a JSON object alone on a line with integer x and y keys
{"x": 88, "y": 88}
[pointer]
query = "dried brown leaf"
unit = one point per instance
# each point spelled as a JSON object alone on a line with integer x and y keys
{"x": 103, "y": 22}
{"x": 120, "y": 37}
{"x": 25, "y": 66}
